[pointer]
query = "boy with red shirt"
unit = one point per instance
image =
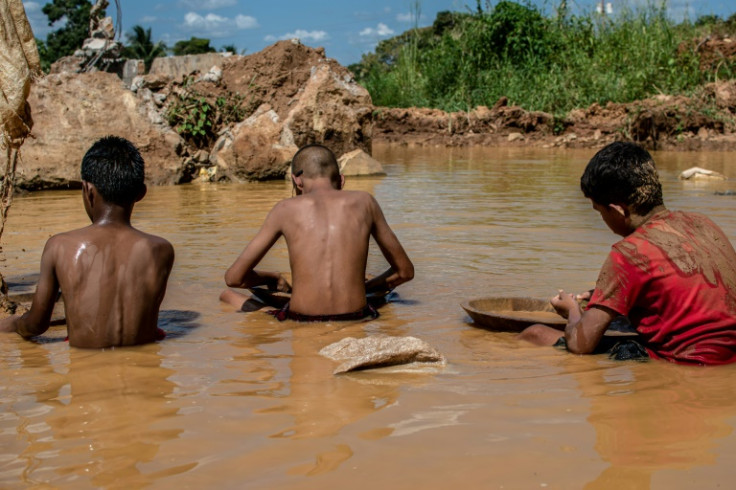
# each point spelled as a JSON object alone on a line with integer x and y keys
{"x": 673, "y": 274}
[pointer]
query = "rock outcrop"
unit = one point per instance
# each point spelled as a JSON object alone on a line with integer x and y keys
{"x": 301, "y": 97}
{"x": 262, "y": 107}
{"x": 71, "y": 111}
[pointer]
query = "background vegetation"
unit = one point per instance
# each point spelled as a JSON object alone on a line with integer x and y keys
{"x": 549, "y": 63}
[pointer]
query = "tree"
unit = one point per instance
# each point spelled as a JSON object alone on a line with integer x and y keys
{"x": 67, "y": 39}
{"x": 195, "y": 45}
{"x": 229, "y": 48}
{"x": 140, "y": 46}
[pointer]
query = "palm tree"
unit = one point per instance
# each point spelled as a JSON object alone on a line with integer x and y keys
{"x": 141, "y": 47}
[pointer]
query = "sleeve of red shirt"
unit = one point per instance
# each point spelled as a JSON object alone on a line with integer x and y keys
{"x": 619, "y": 284}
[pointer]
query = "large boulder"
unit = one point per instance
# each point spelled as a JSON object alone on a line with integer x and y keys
{"x": 358, "y": 163}
{"x": 71, "y": 111}
{"x": 301, "y": 97}
{"x": 253, "y": 149}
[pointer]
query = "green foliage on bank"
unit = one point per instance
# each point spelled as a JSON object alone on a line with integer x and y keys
{"x": 194, "y": 45}
{"x": 73, "y": 18}
{"x": 141, "y": 46}
{"x": 549, "y": 63}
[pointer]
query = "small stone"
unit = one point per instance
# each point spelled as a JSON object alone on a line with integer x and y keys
{"x": 515, "y": 137}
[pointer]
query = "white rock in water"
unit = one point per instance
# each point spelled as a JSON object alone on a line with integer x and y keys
{"x": 379, "y": 351}
{"x": 695, "y": 173}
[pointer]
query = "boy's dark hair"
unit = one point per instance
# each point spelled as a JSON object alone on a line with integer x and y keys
{"x": 315, "y": 161}
{"x": 623, "y": 173}
{"x": 116, "y": 169}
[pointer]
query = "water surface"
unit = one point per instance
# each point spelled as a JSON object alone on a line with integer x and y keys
{"x": 238, "y": 400}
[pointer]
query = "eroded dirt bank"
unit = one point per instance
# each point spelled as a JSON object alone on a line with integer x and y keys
{"x": 703, "y": 122}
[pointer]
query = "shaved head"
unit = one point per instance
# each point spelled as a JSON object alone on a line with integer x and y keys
{"x": 314, "y": 161}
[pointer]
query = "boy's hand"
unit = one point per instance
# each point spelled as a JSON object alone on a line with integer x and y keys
{"x": 565, "y": 303}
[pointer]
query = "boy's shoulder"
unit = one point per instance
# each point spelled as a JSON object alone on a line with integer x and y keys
{"x": 96, "y": 235}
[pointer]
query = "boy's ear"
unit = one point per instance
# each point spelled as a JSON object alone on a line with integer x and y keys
{"x": 342, "y": 181}
{"x": 621, "y": 209}
{"x": 297, "y": 182}
{"x": 88, "y": 190}
{"x": 142, "y": 193}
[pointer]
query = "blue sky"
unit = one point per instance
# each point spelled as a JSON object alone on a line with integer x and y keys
{"x": 346, "y": 28}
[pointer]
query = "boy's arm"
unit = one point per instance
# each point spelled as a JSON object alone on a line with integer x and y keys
{"x": 584, "y": 330}
{"x": 36, "y": 320}
{"x": 401, "y": 269}
{"x": 242, "y": 273}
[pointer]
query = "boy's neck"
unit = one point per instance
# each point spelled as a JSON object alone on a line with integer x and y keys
{"x": 637, "y": 220}
{"x": 320, "y": 184}
{"x": 112, "y": 214}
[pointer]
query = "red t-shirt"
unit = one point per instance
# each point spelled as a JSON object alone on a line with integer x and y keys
{"x": 675, "y": 278}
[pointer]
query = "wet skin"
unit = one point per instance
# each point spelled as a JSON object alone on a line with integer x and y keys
{"x": 112, "y": 277}
{"x": 327, "y": 231}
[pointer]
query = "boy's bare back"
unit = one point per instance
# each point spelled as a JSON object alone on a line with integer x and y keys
{"x": 327, "y": 232}
{"x": 113, "y": 279}
{"x": 112, "y": 276}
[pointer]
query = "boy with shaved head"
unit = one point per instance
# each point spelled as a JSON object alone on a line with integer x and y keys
{"x": 327, "y": 231}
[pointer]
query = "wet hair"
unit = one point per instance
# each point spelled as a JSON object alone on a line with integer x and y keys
{"x": 116, "y": 169}
{"x": 623, "y": 173}
{"x": 314, "y": 161}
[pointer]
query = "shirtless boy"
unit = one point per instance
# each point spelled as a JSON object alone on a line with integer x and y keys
{"x": 112, "y": 276}
{"x": 673, "y": 274}
{"x": 327, "y": 232}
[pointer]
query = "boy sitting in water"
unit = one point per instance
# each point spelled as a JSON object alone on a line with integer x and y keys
{"x": 673, "y": 274}
{"x": 112, "y": 276}
{"x": 327, "y": 232}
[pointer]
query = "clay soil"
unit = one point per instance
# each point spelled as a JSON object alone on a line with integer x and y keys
{"x": 703, "y": 122}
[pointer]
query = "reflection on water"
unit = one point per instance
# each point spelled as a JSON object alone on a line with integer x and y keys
{"x": 235, "y": 399}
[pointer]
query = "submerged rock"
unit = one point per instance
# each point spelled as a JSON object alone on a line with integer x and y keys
{"x": 697, "y": 173}
{"x": 379, "y": 351}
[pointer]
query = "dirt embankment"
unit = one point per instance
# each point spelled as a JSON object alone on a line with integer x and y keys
{"x": 704, "y": 122}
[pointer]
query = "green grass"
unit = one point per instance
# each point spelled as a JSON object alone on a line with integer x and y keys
{"x": 552, "y": 64}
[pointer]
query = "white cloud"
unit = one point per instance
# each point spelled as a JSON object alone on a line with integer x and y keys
{"x": 246, "y": 22}
{"x": 381, "y": 30}
{"x": 148, "y": 19}
{"x": 214, "y": 26}
{"x": 207, "y": 4}
{"x": 405, "y": 17}
{"x": 300, "y": 34}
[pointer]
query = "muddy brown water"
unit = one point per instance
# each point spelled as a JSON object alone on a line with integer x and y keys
{"x": 237, "y": 400}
